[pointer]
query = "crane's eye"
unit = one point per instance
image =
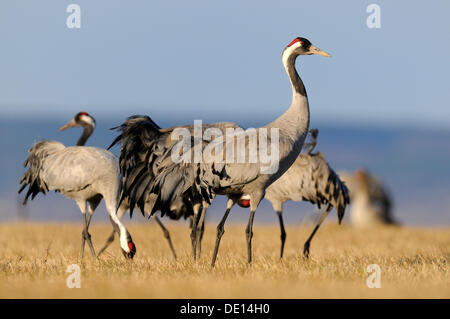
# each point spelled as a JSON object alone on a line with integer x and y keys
{"x": 295, "y": 41}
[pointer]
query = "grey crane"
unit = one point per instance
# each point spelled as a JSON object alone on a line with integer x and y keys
{"x": 309, "y": 179}
{"x": 84, "y": 174}
{"x": 149, "y": 170}
{"x": 371, "y": 200}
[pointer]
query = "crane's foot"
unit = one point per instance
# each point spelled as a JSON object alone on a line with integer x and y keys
{"x": 86, "y": 237}
{"x": 82, "y": 248}
{"x": 306, "y": 250}
{"x": 194, "y": 243}
{"x": 174, "y": 254}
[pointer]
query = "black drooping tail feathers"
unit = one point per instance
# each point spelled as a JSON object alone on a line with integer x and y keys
{"x": 150, "y": 178}
{"x": 333, "y": 192}
{"x": 32, "y": 177}
{"x": 339, "y": 194}
{"x": 139, "y": 138}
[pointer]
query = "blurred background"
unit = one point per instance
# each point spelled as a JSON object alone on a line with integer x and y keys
{"x": 381, "y": 102}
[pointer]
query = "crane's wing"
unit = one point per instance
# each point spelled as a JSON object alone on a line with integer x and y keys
{"x": 311, "y": 179}
{"x": 148, "y": 168}
{"x": 141, "y": 145}
{"x": 331, "y": 189}
{"x": 239, "y": 159}
{"x": 33, "y": 178}
{"x": 77, "y": 167}
{"x": 197, "y": 180}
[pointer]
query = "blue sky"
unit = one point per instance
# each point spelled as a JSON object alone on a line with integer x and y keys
{"x": 186, "y": 60}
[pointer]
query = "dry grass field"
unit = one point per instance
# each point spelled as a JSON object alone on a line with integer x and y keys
{"x": 414, "y": 263}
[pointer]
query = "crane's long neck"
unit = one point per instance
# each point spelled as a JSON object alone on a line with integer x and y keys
{"x": 298, "y": 88}
{"x": 294, "y": 123}
{"x": 87, "y": 132}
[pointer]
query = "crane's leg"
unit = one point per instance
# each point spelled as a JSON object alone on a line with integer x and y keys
{"x": 278, "y": 207}
{"x": 283, "y": 232}
{"x": 308, "y": 241}
{"x": 249, "y": 235}
{"x": 255, "y": 199}
{"x": 220, "y": 228}
{"x": 166, "y": 235}
{"x": 92, "y": 205}
{"x": 84, "y": 234}
{"x": 197, "y": 213}
{"x": 202, "y": 231}
{"x": 200, "y": 228}
{"x": 88, "y": 236}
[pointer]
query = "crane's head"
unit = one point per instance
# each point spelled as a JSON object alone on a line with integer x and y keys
{"x": 130, "y": 251}
{"x": 128, "y": 247}
{"x": 302, "y": 46}
{"x": 81, "y": 119}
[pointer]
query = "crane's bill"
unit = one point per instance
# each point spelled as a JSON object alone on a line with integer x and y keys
{"x": 315, "y": 50}
{"x": 71, "y": 123}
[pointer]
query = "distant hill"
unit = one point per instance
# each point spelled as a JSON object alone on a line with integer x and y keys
{"x": 413, "y": 163}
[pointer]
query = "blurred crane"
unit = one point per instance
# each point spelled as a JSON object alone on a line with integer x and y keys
{"x": 371, "y": 202}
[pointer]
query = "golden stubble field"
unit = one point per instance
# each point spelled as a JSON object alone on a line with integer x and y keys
{"x": 414, "y": 263}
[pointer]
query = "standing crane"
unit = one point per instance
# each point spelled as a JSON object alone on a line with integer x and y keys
{"x": 149, "y": 171}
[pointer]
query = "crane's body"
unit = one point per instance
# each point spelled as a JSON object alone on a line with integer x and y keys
{"x": 77, "y": 172}
{"x": 309, "y": 179}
